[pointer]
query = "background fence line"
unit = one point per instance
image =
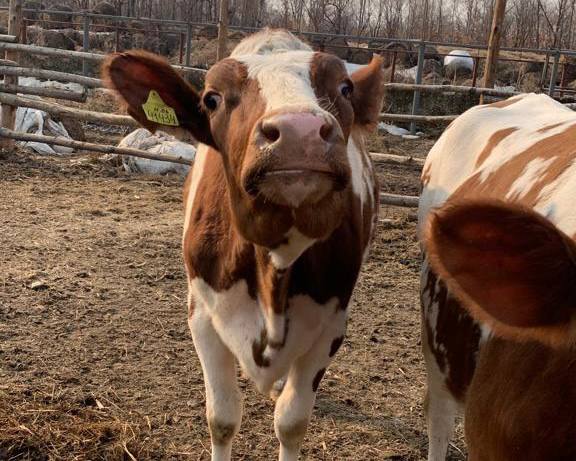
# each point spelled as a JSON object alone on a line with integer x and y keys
{"x": 10, "y": 92}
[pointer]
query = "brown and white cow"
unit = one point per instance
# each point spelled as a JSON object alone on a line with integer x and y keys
{"x": 280, "y": 209}
{"x": 498, "y": 224}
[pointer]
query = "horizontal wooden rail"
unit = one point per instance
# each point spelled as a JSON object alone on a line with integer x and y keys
{"x": 405, "y": 201}
{"x": 95, "y": 57}
{"x": 397, "y": 159}
{"x": 44, "y": 92}
{"x": 7, "y": 62}
{"x": 100, "y": 148}
{"x": 47, "y": 51}
{"x": 385, "y": 198}
{"x": 450, "y": 89}
{"x": 52, "y": 75}
{"x": 69, "y": 112}
{"x": 419, "y": 118}
{"x": 8, "y": 38}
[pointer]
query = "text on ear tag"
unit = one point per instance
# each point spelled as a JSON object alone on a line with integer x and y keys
{"x": 158, "y": 111}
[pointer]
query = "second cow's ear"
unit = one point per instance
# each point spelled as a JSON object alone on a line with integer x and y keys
{"x": 156, "y": 95}
{"x": 368, "y": 95}
{"x": 510, "y": 267}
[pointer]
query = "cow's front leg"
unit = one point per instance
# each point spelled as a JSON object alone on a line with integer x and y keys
{"x": 296, "y": 401}
{"x": 223, "y": 399}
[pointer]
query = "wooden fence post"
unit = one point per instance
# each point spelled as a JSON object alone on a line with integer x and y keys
{"x": 223, "y": 31}
{"x": 493, "y": 45}
{"x": 188, "y": 43}
{"x": 14, "y": 28}
{"x": 85, "y": 42}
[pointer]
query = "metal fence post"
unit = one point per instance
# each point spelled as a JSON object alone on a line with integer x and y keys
{"x": 86, "y": 43}
{"x": 188, "y": 43}
{"x": 15, "y": 22}
{"x": 393, "y": 67}
{"x": 554, "y": 75}
{"x": 419, "y": 72}
{"x": 544, "y": 70}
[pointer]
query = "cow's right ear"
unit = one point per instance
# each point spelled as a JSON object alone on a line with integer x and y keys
{"x": 156, "y": 95}
{"x": 510, "y": 267}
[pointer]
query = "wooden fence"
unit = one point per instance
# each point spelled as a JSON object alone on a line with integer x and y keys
{"x": 13, "y": 96}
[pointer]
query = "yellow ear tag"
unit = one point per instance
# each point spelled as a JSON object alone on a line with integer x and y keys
{"x": 158, "y": 111}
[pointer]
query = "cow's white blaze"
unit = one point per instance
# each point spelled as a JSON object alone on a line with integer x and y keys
{"x": 284, "y": 80}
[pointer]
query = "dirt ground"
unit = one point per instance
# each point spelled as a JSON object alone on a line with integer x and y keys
{"x": 96, "y": 361}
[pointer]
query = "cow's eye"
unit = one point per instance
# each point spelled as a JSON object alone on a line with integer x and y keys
{"x": 212, "y": 100}
{"x": 346, "y": 88}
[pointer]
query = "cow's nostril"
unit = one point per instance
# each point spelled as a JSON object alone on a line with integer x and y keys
{"x": 326, "y": 131}
{"x": 270, "y": 132}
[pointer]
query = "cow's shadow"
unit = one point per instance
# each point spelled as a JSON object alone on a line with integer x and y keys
{"x": 347, "y": 411}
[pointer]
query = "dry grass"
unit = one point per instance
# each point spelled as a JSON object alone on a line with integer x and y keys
{"x": 96, "y": 362}
{"x": 38, "y": 425}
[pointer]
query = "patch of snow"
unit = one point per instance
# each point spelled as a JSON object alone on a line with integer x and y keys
{"x": 505, "y": 88}
{"x": 408, "y": 73}
{"x": 459, "y": 59}
{"x": 35, "y": 83}
{"x": 158, "y": 143}
{"x": 351, "y": 67}
{"x": 39, "y": 122}
{"x": 392, "y": 129}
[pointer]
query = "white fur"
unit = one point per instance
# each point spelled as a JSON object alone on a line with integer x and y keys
{"x": 442, "y": 407}
{"x": 269, "y": 41}
{"x": 453, "y": 158}
{"x": 450, "y": 163}
{"x": 286, "y": 254}
{"x": 197, "y": 171}
{"x": 227, "y": 324}
{"x": 284, "y": 80}
{"x": 533, "y": 171}
{"x": 239, "y": 320}
{"x": 359, "y": 185}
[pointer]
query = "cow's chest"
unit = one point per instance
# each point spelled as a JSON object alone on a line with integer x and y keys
{"x": 240, "y": 321}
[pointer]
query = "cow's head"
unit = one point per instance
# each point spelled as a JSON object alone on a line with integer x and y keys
{"x": 280, "y": 115}
{"x": 511, "y": 268}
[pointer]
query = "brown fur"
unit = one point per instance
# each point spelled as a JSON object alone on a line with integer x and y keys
{"x": 521, "y": 404}
{"x": 509, "y": 266}
{"x": 514, "y": 271}
{"x": 494, "y": 140}
{"x": 560, "y": 147}
{"x": 232, "y": 229}
{"x": 133, "y": 74}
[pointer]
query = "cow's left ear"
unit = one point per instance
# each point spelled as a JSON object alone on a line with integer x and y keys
{"x": 156, "y": 95}
{"x": 368, "y": 94}
{"x": 509, "y": 266}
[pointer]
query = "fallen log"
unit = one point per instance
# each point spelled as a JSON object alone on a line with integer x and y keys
{"x": 397, "y": 159}
{"x": 44, "y": 92}
{"x": 69, "y": 112}
{"x": 405, "y": 201}
{"x": 80, "y": 145}
{"x": 51, "y": 75}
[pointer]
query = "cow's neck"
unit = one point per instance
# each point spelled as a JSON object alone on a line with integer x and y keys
{"x": 273, "y": 284}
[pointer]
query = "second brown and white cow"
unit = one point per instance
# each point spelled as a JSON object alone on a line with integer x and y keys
{"x": 280, "y": 210}
{"x": 498, "y": 224}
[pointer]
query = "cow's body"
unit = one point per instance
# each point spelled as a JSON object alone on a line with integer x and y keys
{"x": 516, "y": 159}
{"x": 224, "y": 285}
{"x": 280, "y": 208}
